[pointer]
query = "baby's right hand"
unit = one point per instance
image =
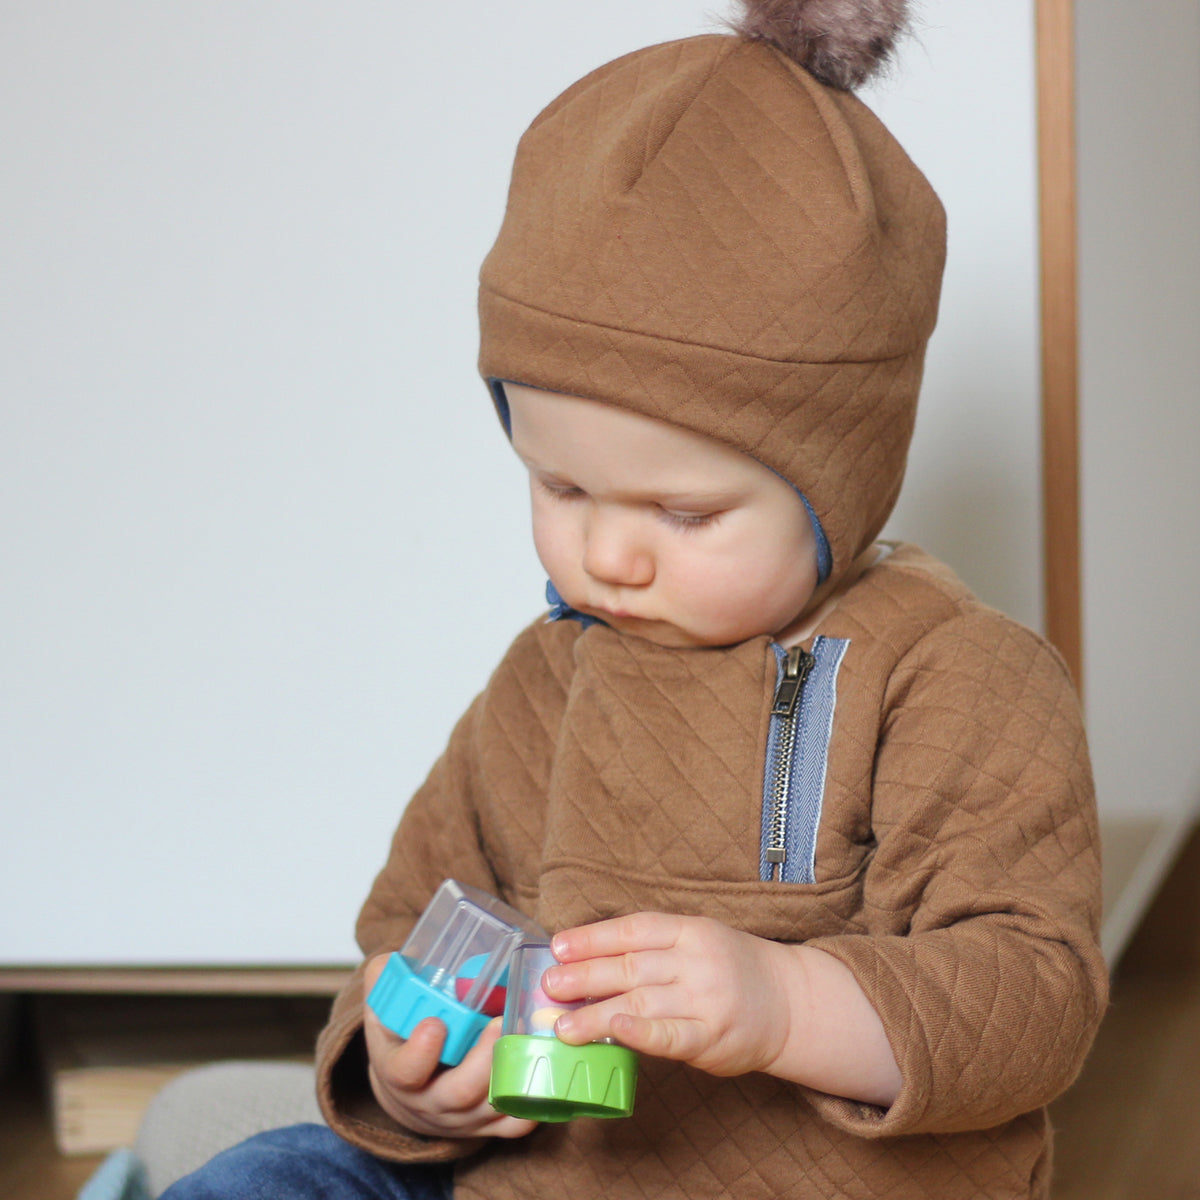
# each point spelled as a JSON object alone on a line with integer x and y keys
{"x": 415, "y": 1090}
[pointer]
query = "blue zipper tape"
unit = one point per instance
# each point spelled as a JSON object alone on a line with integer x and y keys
{"x": 810, "y": 763}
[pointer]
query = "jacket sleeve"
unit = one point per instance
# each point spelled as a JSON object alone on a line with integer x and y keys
{"x": 436, "y": 839}
{"x": 982, "y": 896}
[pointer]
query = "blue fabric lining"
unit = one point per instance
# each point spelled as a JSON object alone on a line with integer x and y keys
{"x": 496, "y": 387}
{"x": 824, "y": 554}
{"x": 560, "y": 610}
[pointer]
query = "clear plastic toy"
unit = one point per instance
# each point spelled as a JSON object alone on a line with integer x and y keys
{"x": 454, "y": 966}
{"x": 538, "y": 1077}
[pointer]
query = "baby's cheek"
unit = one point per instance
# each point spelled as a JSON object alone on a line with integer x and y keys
{"x": 552, "y": 552}
{"x": 733, "y": 602}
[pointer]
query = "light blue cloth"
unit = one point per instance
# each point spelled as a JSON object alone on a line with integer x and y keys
{"x": 120, "y": 1176}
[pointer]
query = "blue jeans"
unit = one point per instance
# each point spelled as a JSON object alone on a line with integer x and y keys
{"x": 309, "y": 1161}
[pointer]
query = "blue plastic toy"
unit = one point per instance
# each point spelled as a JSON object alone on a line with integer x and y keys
{"x": 454, "y": 966}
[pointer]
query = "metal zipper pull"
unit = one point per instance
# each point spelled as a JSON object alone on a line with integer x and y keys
{"x": 796, "y": 670}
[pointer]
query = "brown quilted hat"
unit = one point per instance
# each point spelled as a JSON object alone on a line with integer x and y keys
{"x": 703, "y": 232}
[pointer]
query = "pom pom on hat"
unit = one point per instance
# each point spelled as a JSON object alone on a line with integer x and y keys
{"x": 842, "y": 42}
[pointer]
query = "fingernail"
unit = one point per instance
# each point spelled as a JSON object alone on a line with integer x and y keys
{"x": 564, "y": 1024}
{"x": 558, "y": 946}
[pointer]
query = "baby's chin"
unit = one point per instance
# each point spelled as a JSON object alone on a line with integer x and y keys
{"x": 672, "y": 636}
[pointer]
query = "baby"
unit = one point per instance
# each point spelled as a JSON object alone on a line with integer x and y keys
{"x": 665, "y": 535}
{"x": 812, "y": 826}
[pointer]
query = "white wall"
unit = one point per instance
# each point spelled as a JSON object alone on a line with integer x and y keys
{"x": 1139, "y": 138}
{"x": 260, "y": 538}
{"x": 963, "y": 102}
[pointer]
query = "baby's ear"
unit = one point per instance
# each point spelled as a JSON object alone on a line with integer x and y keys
{"x": 842, "y": 42}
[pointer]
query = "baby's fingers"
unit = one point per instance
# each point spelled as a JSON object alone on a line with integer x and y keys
{"x": 461, "y": 1093}
{"x": 662, "y": 1037}
{"x": 618, "y": 935}
{"x": 465, "y": 1086}
{"x": 680, "y": 1038}
{"x": 406, "y": 1065}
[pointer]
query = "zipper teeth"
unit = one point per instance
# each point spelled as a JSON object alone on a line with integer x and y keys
{"x": 780, "y": 786}
{"x": 781, "y": 775}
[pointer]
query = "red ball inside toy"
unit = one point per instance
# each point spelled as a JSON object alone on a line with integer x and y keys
{"x": 492, "y": 1003}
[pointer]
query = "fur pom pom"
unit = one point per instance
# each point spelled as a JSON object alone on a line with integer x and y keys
{"x": 842, "y": 42}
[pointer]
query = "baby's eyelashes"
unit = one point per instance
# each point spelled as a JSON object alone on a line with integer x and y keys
{"x": 689, "y": 520}
{"x": 558, "y": 490}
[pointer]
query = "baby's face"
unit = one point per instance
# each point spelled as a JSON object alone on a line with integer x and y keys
{"x": 659, "y": 531}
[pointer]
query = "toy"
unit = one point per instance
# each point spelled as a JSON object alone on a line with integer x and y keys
{"x": 454, "y": 966}
{"x": 536, "y": 1076}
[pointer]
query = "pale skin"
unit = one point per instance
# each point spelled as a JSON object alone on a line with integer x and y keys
{"x": 670, "y": 536}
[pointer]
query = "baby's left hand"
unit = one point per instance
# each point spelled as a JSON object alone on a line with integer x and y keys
{"x": 685, "y": 988}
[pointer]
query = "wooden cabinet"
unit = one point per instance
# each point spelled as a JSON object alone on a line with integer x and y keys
{"x": 1138, "y": 75}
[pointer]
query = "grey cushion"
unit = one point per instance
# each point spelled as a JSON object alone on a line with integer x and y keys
{"x": 210, "y": 1108}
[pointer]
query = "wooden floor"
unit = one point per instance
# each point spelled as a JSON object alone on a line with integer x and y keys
{"x": 1128, "y": 1130}
{"x": 30, "y": 1167}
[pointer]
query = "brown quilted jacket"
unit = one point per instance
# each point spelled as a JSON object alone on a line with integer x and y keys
{"x": 955, "y": 872}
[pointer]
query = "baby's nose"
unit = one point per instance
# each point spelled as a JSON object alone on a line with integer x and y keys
{"x": 615, "y": 553}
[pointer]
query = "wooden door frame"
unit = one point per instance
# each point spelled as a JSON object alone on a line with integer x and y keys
{"x": 1058, "y": 233}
